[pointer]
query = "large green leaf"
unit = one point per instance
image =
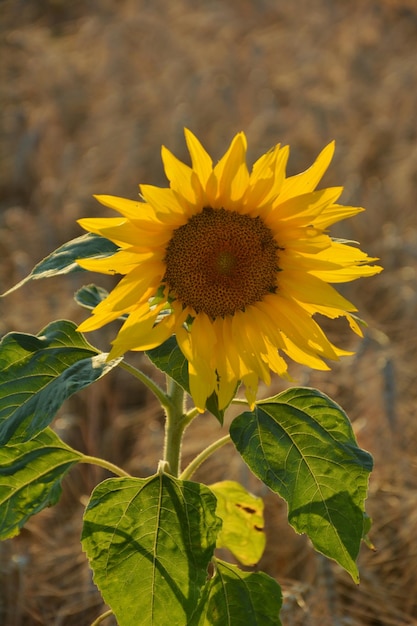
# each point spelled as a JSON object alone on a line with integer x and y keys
{"x": 63, "y": 259}
{"x": 30, "y": 478}
{"x": 301, "y": 444}
{"x": 37, "y": 373}
{"x": 169, "y": 359}
{"x": 149, "y": 543}
{"x": 243, "y": 521}
{"x": 236, "y": 598}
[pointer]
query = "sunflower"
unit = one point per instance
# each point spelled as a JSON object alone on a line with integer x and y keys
{"x": 234, "y": 263}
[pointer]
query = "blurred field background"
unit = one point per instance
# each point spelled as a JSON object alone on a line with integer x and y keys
{"x": 89, "y": 92}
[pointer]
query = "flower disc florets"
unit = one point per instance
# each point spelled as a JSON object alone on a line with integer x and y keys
{"x": 221, "y": 261}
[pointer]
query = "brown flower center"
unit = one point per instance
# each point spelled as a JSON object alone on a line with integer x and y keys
{"x": 220, "y": 261}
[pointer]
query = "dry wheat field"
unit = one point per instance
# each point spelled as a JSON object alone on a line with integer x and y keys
{"x": 89, "y": 92}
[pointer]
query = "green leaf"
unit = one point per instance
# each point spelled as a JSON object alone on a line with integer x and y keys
{"x": 301, "y": 445}
{"x": 243, "y": 522}
{"x": 169, "y": 359}
{"x": 236, "y": 598}
{"x": 149, "y": 543}
{"x": 90, "y": 296}
{"x": 30, "y": 478}
{"x": 63, "y": 260}
{"x": 38, "y": 373}
{"x": 367, "y": 523}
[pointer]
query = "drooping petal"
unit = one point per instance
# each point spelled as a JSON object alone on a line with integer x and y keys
{"x": 141, "y": 331}
{"x": 196, "y": 346}
{"x": 307, "y": 288}
{"x": 134, "y": 289}
{"x": 292, "y": 321}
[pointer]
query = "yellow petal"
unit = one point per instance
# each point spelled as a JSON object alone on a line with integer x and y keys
{"x": 165, "y": 202}
{"x": 297, "y": 325}
{"x": 267, "y": 179}
{"x": 275, "y": 361}
{"x": 125, "y": 233}
{"x": 227, "y": 380}
{"x": 251, "y": 344}
{"x": 251, "y": 388}
{"x": 201, "y": 384}
{"x": 306, "y": 208}
{"x": 119, "y": 263}
{"x": 232, "y": 173}
{"x": 132, "y": 209}
{"x": 94, "y": 322}
{"x": 309, "y": 289}
{"x": 344, "y": 264}
{"x": 299, "y": 355}
{"x": 182, "y": 178}
{"x": 195, "y": 346}
{"x": 335, "y": 213}
{"x": 141, "y": 332}
{"x": 132, "y": 289}
{"x": 308, "y": 180}
{"x": 201, "y": 161}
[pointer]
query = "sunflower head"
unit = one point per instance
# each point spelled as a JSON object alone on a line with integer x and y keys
{"x": 239, "y": 262}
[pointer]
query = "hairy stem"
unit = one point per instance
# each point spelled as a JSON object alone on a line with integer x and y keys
{"x": 175, "y": 424}
{"x": 102, "y": 617}
{"x": 204, "y": 454}
{"x": 115, "y": 469}
{"x": 150, "y": 384}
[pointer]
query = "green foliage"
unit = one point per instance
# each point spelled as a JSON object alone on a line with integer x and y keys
{"x": 301, "y": 445}
{"x": 236, "y": 598}
{"x": 38, "y": 373}
{"x": 90, "y": 296}
{"x": 63, "y": 260}
{"x": 30, "y": 478}
{"x": 243, "y": 522}
{"x": 149, "y": 543}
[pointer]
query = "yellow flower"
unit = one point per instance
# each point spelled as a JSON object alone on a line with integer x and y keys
{"x": 234, "y": 263}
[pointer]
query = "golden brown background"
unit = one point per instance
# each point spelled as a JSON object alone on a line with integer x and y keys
{"x": 89, "y": 92}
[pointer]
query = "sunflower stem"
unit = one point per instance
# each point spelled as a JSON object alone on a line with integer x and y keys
{"x": 204, "y": 454}
{"x": 175, "y": 424}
